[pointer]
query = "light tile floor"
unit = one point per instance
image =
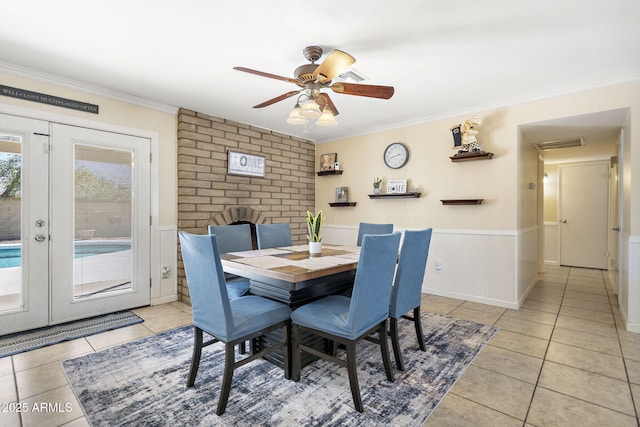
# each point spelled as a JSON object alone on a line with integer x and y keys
{"x": 563, "y": 359}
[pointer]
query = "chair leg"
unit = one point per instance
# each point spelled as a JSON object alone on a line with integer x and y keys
{"x": 395, "y": 343}
{"x": 229, "y": 362}
{"x": 353, "y": 375}
{"x": 195, "y": 358}
{"x": 418, "y": 324}
{"x": 296, "y": 356}
{"x": 384, "y": 349}
{"x": 286, "y": 351}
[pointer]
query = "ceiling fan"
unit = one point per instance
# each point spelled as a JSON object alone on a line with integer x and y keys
{"x": 312, "y": 78}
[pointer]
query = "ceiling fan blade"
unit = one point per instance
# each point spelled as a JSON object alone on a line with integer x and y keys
{"x": 263, "y": 74}
{"x": 324, "y": 100}
{"x": 372, "y": 91}
{"x": 277, "y": 99}
{"x": 336, "y": 62}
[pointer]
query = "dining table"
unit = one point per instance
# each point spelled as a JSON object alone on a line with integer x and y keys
{"x": 292, "y": 276}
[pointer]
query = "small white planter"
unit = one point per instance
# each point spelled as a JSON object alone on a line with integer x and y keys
{"x": 315, "y": 249}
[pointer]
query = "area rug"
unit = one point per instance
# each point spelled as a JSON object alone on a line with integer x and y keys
{"x": 36, "y": 338}
{"x": 144, "y": 382}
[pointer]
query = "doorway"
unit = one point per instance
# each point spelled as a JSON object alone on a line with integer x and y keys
{"x": 583, "y": 212}
{"x": 74, "y": 240}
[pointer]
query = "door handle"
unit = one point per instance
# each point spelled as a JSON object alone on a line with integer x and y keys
{"x": 564, "y": 221}
{"x": 40, "y": 237}
{"x": 616, "y": 229}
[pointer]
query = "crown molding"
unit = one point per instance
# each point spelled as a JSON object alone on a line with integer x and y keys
{"x": 56, "y": 80}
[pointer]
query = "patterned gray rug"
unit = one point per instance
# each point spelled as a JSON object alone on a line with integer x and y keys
{"x": 143, "y": 382}
{"x": 36, "y": 338}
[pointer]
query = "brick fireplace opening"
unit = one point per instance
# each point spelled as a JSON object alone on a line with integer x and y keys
{"x": 241, "y": 215}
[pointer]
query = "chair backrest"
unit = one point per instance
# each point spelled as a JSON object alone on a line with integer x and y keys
{"x": 273, "y": 235}
{"x": 407, "y": 287}
{"x": 366, "y": 228}
{"x": 232, "y": 238}
{"x": 207, "y": 288}
{"x": 373, "y": 282}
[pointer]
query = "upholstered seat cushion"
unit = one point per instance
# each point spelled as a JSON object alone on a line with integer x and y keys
{"x": 329, "y": 314}
{"x": 250, "y": 314}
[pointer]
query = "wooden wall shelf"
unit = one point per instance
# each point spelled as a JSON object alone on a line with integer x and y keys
{"x": 341, "y": 204}
{"x": 462, "y": 202}
{"x": 394, "y": 196}
{"x": 323, "y": 173}
{"x": 466, "y": 157}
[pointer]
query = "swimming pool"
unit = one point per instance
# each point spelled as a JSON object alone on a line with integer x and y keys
{"x": 10, "y": 254}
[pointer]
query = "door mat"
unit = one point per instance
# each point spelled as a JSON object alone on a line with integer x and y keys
{"x": 41, "y": 337}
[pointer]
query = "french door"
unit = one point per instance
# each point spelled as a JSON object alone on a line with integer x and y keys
{"x": 74, "y": 238}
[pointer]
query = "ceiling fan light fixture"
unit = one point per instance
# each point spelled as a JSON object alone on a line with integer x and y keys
{"x": 295, "y": 118}
{"x": 310, "y": 109}
{"x": 326, "y": 118}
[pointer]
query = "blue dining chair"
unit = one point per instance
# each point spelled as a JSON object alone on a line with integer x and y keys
{"x": 345, "y": 320}
{"x": 234, "y": 238}
{"x": 229, "y": 321}
{"x": 273, "y": 235}
{"x": 367, "y": 228}
{"x": 406, "y": 294}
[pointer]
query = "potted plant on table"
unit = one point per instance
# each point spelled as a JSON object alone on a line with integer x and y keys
{"x": 376, "y": 185}
{"x": 314, "y": 226}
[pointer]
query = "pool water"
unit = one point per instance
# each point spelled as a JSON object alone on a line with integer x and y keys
{"x": 10, "y": 254}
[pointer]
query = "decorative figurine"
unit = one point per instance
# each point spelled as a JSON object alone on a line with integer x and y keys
{"x": 464, "y": 136}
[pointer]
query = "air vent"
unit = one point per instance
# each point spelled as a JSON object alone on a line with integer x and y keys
{"x": 352, "y": 75}
{"x": 560, "y": 143}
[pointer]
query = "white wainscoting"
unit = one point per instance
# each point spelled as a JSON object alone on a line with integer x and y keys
{"x": 631, "y": 311}
{"x": 551, "y": 243}
{"x": 494, "y": 267}
{"x": 165, "y": 290}
{"x": 527, "y": 259}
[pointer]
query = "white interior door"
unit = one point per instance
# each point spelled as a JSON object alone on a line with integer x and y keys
{"x": 100, "y": 222}
{"x": 583, "y": 214}
{"x": 24, "y": 229}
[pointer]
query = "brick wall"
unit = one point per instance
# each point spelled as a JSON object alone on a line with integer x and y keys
{"x": 205, "y": 191}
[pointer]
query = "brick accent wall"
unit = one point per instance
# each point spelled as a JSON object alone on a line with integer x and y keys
{"x": 206, "y": 192}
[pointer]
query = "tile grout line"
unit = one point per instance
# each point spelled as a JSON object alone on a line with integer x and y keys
{"x": 624, "y": 362}
{"x": 544, "y": 358}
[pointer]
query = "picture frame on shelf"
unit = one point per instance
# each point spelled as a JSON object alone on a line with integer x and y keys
{"x": 328, "y": 161}
{"x": 396, "y": 186}
{"x": 342, "y": 194}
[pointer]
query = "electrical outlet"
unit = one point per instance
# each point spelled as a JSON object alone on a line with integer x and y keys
{"x": 438, "y": 265}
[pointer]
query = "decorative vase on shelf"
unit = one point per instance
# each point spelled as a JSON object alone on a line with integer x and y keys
{"x": 315, "y": 249}
{"x": 376, "y": 185}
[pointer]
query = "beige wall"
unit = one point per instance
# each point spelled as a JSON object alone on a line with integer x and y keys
{"x": 510, "y": 206}
{"x": 111, "y": 113}
{"x": 430, "y": 169}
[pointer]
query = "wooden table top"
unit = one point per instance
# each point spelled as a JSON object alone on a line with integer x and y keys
{"x": 292, "y": 263}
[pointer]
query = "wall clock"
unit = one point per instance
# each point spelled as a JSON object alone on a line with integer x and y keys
{"x": 396, "y": 155}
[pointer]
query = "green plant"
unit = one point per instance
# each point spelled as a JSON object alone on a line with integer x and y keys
{"x": 377, "y": 182}
{"x": 314, "y": 226}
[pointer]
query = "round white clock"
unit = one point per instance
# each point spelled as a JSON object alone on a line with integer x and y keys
{"x": 396, "y": 155}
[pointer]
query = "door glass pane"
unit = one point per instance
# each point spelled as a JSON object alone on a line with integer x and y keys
{"x": 102, "y": 221}
{"x": 11, "y": 289}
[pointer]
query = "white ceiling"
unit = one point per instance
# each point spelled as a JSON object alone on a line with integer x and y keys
{"x": 444, "y": 58}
